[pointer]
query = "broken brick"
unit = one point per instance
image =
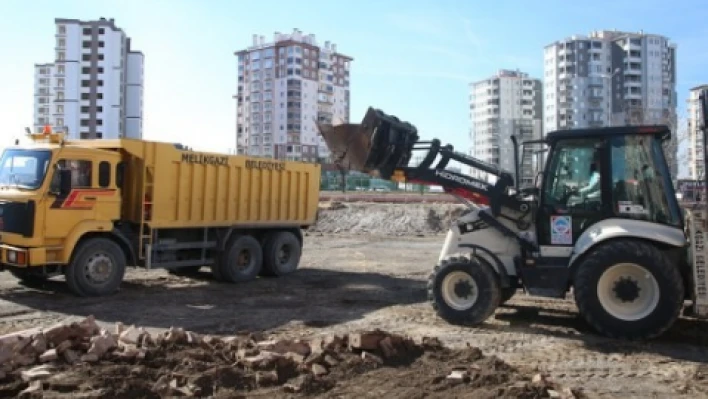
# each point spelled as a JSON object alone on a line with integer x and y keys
{"x": 48, "y": 356}
{"x": 266, "y": 378}
{"x": 368, "y": 356}
{"x": 101, "y": 344}
{"x": 366, "y": 341}
{"x": 285, "y": 346}
{"x": 319, "y": 370}
{"x": 130, "y": 336}
{"x": 39, "y": 343}
{"x": 71, "y": 356}
{"x": 64, "y": 345}
{"x": 89, "y": 358}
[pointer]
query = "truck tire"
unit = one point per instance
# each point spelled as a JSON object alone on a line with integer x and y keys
{"x": 281, "y": 253}
{"x": 243, "y": 260}
{"x": 97, "y": 268}
{"x": 628, "y": 289}
{"x": 464, "y": 291}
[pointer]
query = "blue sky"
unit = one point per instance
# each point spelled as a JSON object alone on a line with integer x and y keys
{"x": 412, "y": 58}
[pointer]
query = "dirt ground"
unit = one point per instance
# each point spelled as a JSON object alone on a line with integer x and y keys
{"x": 358, "y": 280}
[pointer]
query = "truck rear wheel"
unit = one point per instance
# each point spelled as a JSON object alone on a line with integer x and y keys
{"x": 242, "y": 261}
{"x": 628, "y": 289}
{"x": 464, "y": 291}
{"x": 97, "y": 268}
{"x": 281, "y": 253}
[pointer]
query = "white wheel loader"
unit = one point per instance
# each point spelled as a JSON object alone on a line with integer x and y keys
{"x": 602, "y": 220}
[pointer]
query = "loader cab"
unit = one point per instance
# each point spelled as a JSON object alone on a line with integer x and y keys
{"x": 633, "y": 181}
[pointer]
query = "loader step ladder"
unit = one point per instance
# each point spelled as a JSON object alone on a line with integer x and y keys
{"x": 146, "y": 234}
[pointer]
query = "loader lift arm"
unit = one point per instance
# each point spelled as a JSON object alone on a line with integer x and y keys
{"x": 382, "y": 146}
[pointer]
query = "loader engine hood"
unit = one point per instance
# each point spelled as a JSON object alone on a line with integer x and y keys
{"x": 377, "y": 145}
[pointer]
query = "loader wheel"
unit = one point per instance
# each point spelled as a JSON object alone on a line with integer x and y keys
{"x": 628, "y": 289}
{"x": 463, "y": 291}
{"x": 281, "y": 253}
{"x": 97, "y": 268}
{"x": 243, "y": 260}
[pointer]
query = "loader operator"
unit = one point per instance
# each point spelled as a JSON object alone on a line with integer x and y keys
{"x": 592, "y": 189}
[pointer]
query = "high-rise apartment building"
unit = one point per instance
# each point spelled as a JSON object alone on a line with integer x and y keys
{"x": 695, "y": 136}
{"x": 284, "y": 88}
{"x": 506, "y": 104}
{"x": 609, "y": 78}
{"x": 94, "y": 87}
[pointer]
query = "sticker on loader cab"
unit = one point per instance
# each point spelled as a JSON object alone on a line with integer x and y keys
{"x": 630, "y": 208}
{"x": 561, "y": 230}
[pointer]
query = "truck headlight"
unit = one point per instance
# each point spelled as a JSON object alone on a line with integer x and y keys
{"x": 12, "y": 256}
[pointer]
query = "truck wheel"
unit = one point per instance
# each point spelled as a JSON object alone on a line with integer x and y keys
{"x": 628, "y": 289}
{"x": 281, "y": 253}
{"x": 97, "y": 268}
{"x": 243, "y": 260}
{"x": 463, "y": 291}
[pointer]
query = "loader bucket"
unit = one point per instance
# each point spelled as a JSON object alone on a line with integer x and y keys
{"x": 377, "y": 145}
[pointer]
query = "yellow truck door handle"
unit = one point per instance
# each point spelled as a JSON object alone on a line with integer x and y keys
{"x": 90, "y": 198}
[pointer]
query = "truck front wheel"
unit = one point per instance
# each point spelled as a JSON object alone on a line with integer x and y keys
{"x": 628, "y": 289}
{"x": 464, "y": 291}
{"x": 97, "y": 268}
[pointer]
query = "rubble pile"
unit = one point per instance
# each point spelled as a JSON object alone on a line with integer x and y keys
{"x": 81, "y": 359}
{"x": 386, "y": 219}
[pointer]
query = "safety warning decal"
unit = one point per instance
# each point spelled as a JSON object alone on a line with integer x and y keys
{"x": 561, "y": 230}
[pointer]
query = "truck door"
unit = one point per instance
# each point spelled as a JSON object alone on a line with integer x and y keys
{"x": 92, "y": 199}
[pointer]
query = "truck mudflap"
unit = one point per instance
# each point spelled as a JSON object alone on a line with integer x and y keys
{"x": 697, "y": 221}
{"x": 377, "y": 145}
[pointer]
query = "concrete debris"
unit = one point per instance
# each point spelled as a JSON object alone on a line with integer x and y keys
{"x": 296, "y": 366}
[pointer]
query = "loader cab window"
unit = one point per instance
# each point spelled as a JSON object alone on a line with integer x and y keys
{"x": 572, "y": 198}
{"x": 641, "y": 181}
{"x": 574, "y": 176}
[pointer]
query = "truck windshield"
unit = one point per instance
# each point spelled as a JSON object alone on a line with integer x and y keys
{"x": 24, "y": 169}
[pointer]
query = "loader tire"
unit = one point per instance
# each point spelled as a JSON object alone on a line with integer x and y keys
{"x": 96, "y": 268}
{"x": 464, "y": 291}
{"x": 281, "y": 253}
{"x": 243, "y": 260}
{"x": 628, "y": 289}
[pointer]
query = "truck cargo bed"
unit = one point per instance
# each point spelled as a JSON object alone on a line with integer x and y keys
{"x": 193, "y": 189}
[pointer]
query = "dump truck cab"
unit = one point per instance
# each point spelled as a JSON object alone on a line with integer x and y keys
{"x": 50, "y": 195}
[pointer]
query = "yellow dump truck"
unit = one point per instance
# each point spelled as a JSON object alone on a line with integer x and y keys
{"x": 89, "y": 208}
